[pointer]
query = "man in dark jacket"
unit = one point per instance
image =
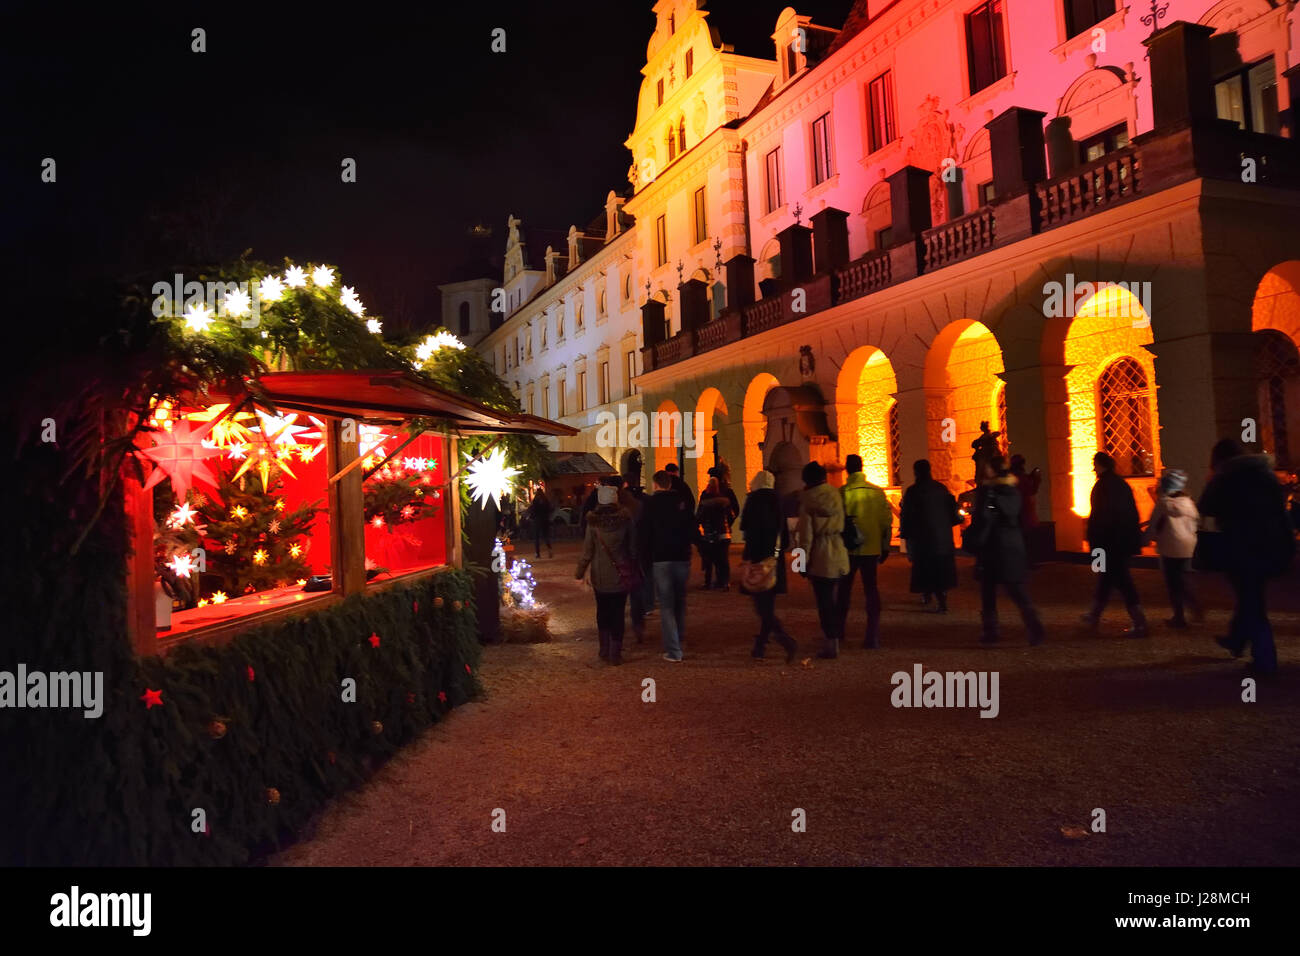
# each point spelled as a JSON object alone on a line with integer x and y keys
{"x": 1246, "y": 505}
{"x": 679, "y": 484}
{"x": 926, "y": 519}
{"x": 1000, "y": 547}
{"x": 667, "y": 526}
{"x": 1114, "y": 527}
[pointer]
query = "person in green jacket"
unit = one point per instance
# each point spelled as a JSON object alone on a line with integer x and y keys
{"x": 865, "y": 503}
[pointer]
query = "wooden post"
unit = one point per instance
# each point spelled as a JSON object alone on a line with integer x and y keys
{"x": 451, "y": 505}
{"x": 347, "y": 509}
{"x": 140, "y": 620}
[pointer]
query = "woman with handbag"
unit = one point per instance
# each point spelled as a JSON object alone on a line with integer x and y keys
{"x": 715, "y": 516}
{"x": 609, "y": 550}
{"x": 762, "y": 572}
{"x": 821, "y": 535}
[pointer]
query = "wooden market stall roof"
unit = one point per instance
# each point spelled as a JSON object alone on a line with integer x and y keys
{"x": 396, "y": 396}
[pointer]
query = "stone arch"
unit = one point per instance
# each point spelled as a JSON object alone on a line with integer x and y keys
{"x": 977, "y": 168}
{"x": 710, "y": 404}
{"x": 666, "y": 433}
{"x": 1099, "y": 99}
{"x": 1110, "y": 325}
{"x": 864, "y": 397}
{"x": 963, "y": 370}
{"x": 1275, "y": 321}
{"x": 754, "y": 423}
{"x": 769, "y": 262}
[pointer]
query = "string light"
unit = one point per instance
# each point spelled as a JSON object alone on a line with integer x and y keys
{"x": 181, "y": 565}
{"x": 295, "y": 277}
{"x": 323, "y": 276}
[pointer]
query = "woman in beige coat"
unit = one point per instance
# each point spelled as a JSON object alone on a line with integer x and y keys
{"x": 821, "y": 534}
{"x": 1172, "y": 526}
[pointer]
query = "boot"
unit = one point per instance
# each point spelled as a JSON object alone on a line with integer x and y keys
{"x": 615, "y": 650}
{"x": 638, "y": 631}
{"x": 989, "y": 629}
{"x": 760, "y": 647}
{"x": 830, "y": 649}
{"x": 1139, "y": 626}
{"x": 791, "y": 648}
{"x": 604, "y": 645}
{"x": 1091, "y": 620}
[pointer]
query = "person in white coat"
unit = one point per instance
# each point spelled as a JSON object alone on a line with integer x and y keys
{"x": 1172, "y": 527}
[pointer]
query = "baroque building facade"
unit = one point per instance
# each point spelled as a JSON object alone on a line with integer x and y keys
{"x": 1072, "y": 219}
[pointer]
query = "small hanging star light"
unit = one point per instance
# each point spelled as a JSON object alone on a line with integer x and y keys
{"x": 270, "y": 289}
{"x": 181, "y": 516}
{"x": 323, "y": 276}
{"x": 490, "y": 477}
{"x": 295, "y": 277}
{"x": 259, "y": 556}
{"x": 219, "y": 597}
{"x": 181, "y": 564}
{"x": 374, "y": 325}
{"x": 237, "y": 303}
{"x": 349, "y": 299}
{"x": 198, "y": 317}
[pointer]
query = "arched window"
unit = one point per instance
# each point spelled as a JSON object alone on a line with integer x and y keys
{"x": 672, "y": 145}
{"x": 1001, "y": 404}
{"x": 895, "y": 448}
{"x": 559, "y": 323}
{"x": 681, "y": 134}
{"x": 577, "y": 318}
{"x": 1277, "y": 377}
{"x": 627, "y": 287}
{"x": 1124, "y": 409}
{"x": 464, "y": 318}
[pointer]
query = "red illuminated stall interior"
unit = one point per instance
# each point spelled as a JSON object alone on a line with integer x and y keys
{"x": 352, "y": 405}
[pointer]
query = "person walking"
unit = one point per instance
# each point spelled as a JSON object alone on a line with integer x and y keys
{"x": 715, "y": 516}
{"x": 1114, "y": 527}
{"x": 680, "y": 485}
{"x": 539, "y": 512}
{"x": 1000, "y": 551}
{"x": 866, "y": 504}
{"x": 1172, "y": 527}
{"x": 821, "y": 534}
{"x": 925, "y": 522}
{"x": 666, "y": 529}
{"x": 609, "y": 550}
{"x": 766, "y": 537}
{"x": 631, "y": 499}
{"x": 1249, "y": 537}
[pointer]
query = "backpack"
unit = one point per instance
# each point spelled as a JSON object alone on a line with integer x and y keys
{"x": 851, "y": 534}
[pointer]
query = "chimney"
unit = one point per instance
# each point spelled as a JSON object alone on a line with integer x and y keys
{"x": 1181, "y": 91}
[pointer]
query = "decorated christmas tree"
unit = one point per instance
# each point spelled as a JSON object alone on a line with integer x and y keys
{"x": 396, "y": 496}
{"x": 252, "y": 541}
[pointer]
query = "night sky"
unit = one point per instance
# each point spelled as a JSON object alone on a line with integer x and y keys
{"x": 169, "y": 159}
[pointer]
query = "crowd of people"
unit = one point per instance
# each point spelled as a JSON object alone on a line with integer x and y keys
{"x": 638, "y": 546}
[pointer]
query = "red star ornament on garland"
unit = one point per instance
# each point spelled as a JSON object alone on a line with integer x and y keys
{"x": 151, "y": 698}
{"x": 374, "y": 640}
{"x": 179, "y": 455}
{"x": 442, "y": 696}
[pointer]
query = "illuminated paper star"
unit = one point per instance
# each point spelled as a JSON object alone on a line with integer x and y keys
{"x": 407, "y": 511}
{"x": 231, "y": 547}
{"x": 198, "y": 317}
{"x": 179, "y": 455}
{"x": 279, "y": 504}
{"x": 237, "y": 453}
{"x": 151, "y": 698}
{"x": 490, "y": 477}
{"x": 181, "y": 565}
{"x": 295, "y": 277}
{"x": 274, "y": 526}
{"x": 239, "y": 511}
{"x": 377, "y": 521}
{"x": 237, "y": 303}
{"x": 374, "y": 325}
{"x": 219, "y": 597}
{"x": 181, "y": 515}
{"x": 259, "y": 556}
{"x": 323, "y": 276}
{"x": 270, "y": 289}
{"x": 295, "y": 550}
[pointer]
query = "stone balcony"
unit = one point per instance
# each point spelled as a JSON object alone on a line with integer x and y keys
{"x": 1155, "y": 162}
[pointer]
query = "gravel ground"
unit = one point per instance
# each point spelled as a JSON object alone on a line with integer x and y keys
{"x": 1154, "y": 732}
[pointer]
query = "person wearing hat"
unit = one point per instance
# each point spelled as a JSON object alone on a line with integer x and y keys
{"x": 1172, "y": 527}
{"x": 609, "y": 550}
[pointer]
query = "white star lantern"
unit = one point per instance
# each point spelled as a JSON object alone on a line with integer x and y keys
{"x": 270, "y": 289}
{"x": 197, "y": 317}
{"x": 490, "y": 477}
{"x": 323, "y": 276}
{"x": 295, "y": 277}
{"x": 374, "y": 325}
{"x": 237, "y": 303}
